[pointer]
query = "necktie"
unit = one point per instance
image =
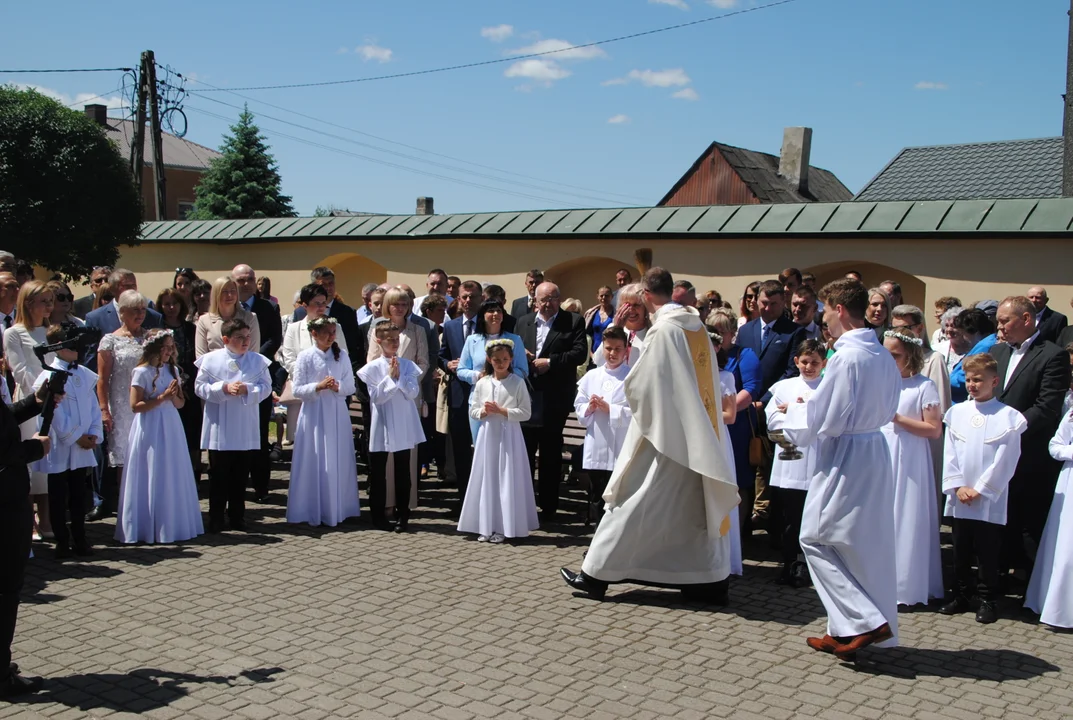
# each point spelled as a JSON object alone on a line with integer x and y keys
{"x": 469, "y": 328}
{"x": 7, "y": 321}
{"x": 763, "y": 334}
{"x": 633, "y": 334}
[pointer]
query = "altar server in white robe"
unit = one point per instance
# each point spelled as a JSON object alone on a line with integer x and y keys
{"x": 158, "y": 500}
{"x": 790, "y": 477}
{"x": 671, "y": 492}
{"x": 601, "y": 408}
{"x": 918, "y": 421}
{"x": 499, "y": 500}
{"x": 232, "y": 381}
{"x": 847, "y": 528}
{"x": 324, "y": 479}
{"x": 1050, "y": 591}
{"x": 395, "y": 427}
{"x": 983, "y": 445}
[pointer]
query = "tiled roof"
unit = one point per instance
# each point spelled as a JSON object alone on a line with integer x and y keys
{"x": 847, "y": 219}
{"x": 178, "y": 152}
{"x": 760, "y": 171}
{"x": 1011, "y": 169}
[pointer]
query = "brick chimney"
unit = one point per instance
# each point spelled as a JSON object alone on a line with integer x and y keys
{"x": 424, "y": 206}
{"x": 98, "y": 114}
{"x": 794, "y": 158}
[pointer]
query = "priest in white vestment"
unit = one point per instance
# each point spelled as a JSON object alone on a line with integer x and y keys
{"x": 847, "y": 528}
{"x": 669, "y": 497}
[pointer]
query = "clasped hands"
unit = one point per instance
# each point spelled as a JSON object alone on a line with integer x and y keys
{"x": 236, "y": 388}
{"x": 539, "y": 365}
{"x": 967, "y": 495}
{"x": 493, "y": 408}
{"x": 596, "y": 404}
{"x": 328, "y": 383}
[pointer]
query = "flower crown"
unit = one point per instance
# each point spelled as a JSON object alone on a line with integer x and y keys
{"x": 904, "y": 338}
{"x": 156, "y": 334}
{"x": 501, "y": 342}
{"x": 320, "y": 322}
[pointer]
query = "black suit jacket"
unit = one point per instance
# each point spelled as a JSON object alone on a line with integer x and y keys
{"x": 509, "y": 324}
{"x": 270, "y": 325}
{"x": 566, "y": 348}
{"x": 777, "y": 354}
{"x": 83, "y": 306}
{"x": 520, "y": 308}
{"x": 1036, "y": 389}
{"x": 1051, "y": 324}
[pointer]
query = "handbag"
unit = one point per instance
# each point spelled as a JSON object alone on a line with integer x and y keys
{"x": 442, "y": 406}
{"x": 760, "y": 448}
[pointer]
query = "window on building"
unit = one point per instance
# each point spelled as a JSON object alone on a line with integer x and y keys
{"x": 185, "y": 208}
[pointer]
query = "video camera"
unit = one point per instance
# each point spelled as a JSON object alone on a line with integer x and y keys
{"x": 78, "y": 338}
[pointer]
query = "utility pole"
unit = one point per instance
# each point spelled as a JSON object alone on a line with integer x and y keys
{"x": 147, "y": 92}
{"x": 1067, "y": 121}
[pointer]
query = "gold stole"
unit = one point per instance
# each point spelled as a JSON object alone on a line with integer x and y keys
{"x": 700, "y": 349}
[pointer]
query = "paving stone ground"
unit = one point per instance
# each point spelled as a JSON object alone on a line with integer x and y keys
{"x": 291, "y": 621}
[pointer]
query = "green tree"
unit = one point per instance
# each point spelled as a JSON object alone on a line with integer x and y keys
{"x": 245, "y": 182}
{"x": 67, "y": 200}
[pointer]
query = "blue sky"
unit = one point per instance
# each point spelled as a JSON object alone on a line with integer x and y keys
{"x": 623, "y": 121}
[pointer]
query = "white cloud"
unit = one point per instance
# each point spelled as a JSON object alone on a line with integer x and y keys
{"x": 562, "y": 49}
{"x": 675, "y": 77}
{"x": 928, "y": 85}
{"x": 374, "y": 52}
{"x": 497, "y": 33}
{"x": 618, "y": 119}
{"x": 686, "y": 94}
{"x": 680, "y": 4}
{"x": 114, "y": 101}
{"x": 724, "y": 4}
{"x": 540, "y": 70}
{"x": 614, "y": 81}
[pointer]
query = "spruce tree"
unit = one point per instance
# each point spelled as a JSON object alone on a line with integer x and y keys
{"x": 245, "y": 182}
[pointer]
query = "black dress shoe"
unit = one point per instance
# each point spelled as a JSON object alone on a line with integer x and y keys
{"x": 238, "y": 525}
{"x": 263, "y": 499}
{"x": 216, "y": 526}
{"x": 63, "y": 552}
{"x": 97, "y": 513}
{"x": 580, "y": 581}
{"x": 83, "y": 549}
{"x": 987, "y": 613}
{"x": 958, "y": 605}
{"x": 15, "y": 685}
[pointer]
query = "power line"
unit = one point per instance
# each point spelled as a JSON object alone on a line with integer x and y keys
{"x": 631, "y": 199}
{"x": 276, "y": 133}
{"x": 103, "y": 95}
{"x": 422, "y": 160}
{"x": 76, "y": 70}
{"x": 513, "y": 58}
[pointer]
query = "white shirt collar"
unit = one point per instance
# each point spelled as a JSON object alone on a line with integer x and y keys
{"x": 549, "y": 321}
{"x": 1025, "y": 345}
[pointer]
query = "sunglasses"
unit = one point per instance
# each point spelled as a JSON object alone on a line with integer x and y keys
{"x": 61, "y": 297}
{"x": 184, "y": 271}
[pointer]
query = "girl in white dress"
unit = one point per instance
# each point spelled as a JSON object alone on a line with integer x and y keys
{"x": 324, "y": 479}
{"x": 729, "y": 391}
{"x": 499, "y": 500}
{"x": 1050, "y": 591}
{"x": 158, "y": 496}
{"x": 790, "y": 477}
{"x": 919, "y": 419}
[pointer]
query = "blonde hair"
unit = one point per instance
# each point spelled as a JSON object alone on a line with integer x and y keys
{"x": 573, "y": 305}
{"x": 723, "y": 320}
{"x": 217, "y": 290}
{"x": 29, "y": 292}
{"x": 392, "y": 296}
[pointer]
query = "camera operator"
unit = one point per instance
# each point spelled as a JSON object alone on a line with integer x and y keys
{"x": 16, "y": 527}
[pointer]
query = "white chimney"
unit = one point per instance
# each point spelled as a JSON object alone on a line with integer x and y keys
{"x": 794, "y": 158}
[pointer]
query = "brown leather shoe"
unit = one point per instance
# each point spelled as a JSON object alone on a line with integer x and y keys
{"x": 859, "y": 642}
{"x": 825, "y": 644}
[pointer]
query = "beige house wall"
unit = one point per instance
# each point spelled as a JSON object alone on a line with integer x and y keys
{"x": 972, "y": 269}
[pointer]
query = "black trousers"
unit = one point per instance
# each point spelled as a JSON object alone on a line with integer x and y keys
{"x": 461, "y": 439}
{"x": 1028, "y": 504}
{"x": 788, "y": 506}
{"x": 378, "y": 484}
{"x": 67, "y": 492}
{"x": 260, "y": 465}
{"x": 16, "y": 527}
{"x": 982, "y": 540}
{"x": 228, "y": 471}
{"x": 548, "y": 439}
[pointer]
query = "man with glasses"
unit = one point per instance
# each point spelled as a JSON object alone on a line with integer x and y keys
{"x": 97, "y": 280}
{"x": 555, "y": 345}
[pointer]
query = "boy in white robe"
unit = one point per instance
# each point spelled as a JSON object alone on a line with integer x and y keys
{"x": 983, "y": 445}
{"x": 847, "y": 527}
{"x": 395, "y": 427}
{"x": 76, "y": 429}
{"x": 605, "y": 414}
{"x": 232, "y": 382}
{"x": 790, "y": 477}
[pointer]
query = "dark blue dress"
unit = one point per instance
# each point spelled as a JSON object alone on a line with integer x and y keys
{"x": 598, "y": 328}
{"x": 746, "y": 368}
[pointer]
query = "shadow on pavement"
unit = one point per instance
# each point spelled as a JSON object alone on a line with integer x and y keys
{"x": 913, "y": 663}
{"x": 138, "y": 691}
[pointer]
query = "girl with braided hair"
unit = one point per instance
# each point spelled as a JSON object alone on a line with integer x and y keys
{"x": 158, "y": 500}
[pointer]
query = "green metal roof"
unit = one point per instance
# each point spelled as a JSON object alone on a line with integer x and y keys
{"x": 1049, "y": 216}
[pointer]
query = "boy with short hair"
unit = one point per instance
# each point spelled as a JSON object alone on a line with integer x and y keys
{"x": 232, "y": 382}
{"x": 983, "y": 444}
{"x": 395, "y": 427}
{"x": 76, "y": 430}
{"x": 603, "y": 410}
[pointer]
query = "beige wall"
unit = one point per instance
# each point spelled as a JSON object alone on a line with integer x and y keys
{"x": 972, "y": 269}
